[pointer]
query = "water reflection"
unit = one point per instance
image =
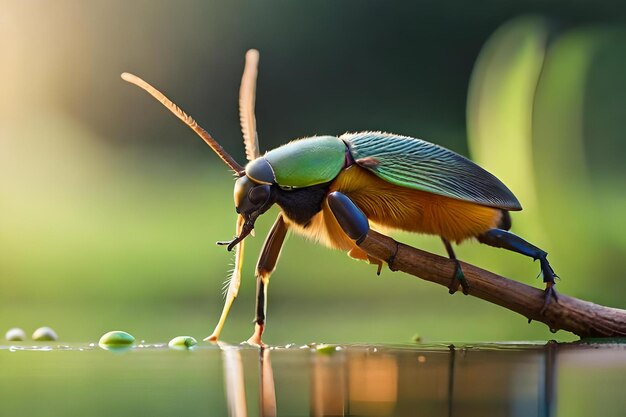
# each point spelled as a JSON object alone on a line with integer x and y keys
{"x": 268, "y": 393}
{"x": 373, "y": 381}
{"x": 569, "y": 380}
{"x": 233, "y": 381}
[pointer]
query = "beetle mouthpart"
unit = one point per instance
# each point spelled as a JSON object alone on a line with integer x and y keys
{"x": 248, "y": 227}
{"x": 231, "y": 243}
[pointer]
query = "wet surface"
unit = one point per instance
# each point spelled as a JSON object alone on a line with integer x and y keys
{"x": 511, "y": 379}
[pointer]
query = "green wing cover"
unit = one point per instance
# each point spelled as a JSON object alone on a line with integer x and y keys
{"x": 421, "y": 165}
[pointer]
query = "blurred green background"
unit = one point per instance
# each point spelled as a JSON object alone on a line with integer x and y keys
{"x": 110, "y": 207}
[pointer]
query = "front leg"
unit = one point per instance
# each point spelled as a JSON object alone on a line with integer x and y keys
{"x": 264, "y": 268}
{"x": 233, "y": 285}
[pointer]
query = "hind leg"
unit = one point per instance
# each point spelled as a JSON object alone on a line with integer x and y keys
{"x": 459, "y": 276}
{"x": 502, "y": 239}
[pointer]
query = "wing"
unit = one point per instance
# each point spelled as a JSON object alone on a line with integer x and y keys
{"x": 247, "y": 97}
{"x": 417, "y": 164}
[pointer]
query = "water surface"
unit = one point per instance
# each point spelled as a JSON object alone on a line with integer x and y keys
{"x": 524, "y": 379}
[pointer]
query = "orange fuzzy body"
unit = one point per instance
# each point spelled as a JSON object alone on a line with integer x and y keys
{"x": 389, "y": 206}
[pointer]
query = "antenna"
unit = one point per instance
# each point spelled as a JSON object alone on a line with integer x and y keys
{"x": 188, "y": 120}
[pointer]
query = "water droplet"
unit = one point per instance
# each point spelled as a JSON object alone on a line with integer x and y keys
{"x": 44, "y": 334}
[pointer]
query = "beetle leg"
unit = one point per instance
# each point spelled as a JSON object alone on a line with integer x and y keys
{"x": 351, "y": 219}
{"x": 459, "y": 276}
{"x": 502, "y": 239}
{"x": 353, "y": 222}
{"x": 264, "y": 268}
{"x": 233, "y": 286}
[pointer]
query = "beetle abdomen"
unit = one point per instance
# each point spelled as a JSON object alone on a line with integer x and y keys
{"x": 391, "y": 206}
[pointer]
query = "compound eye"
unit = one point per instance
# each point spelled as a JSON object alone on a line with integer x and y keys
{"x": 259, "y": 194}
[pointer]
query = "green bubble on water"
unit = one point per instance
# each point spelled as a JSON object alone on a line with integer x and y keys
{"x": 325, "y": 349}
{"x": 44, "y": 334}
{"x": 116, "y": 348}
{"x": 15, "y": 334}
{"x": 116, "y": 338}
{"x": 182, "y": 342}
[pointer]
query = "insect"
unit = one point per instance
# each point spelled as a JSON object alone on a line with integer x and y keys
{"x": 332, "y": 189}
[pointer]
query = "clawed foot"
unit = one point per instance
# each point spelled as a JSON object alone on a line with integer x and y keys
{"x": 458, "y": 278}
{"x": 548, "y": 294}
{"x": 255, "y": 339}
{"x": 546, "y": 271}
{"x": 548, "y": 277}
{"x": 212, "y": 338}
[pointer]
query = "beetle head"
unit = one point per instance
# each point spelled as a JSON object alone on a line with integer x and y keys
{"x": 251, "y": 200}
{"x": 252, "y": 197}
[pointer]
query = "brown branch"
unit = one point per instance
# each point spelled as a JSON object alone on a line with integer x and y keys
{"x": 582, "y": 318}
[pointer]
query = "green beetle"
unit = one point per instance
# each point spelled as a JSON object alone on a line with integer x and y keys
{"x": 332, "y": 189}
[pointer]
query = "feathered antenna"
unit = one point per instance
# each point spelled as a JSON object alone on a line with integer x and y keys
{"x": 188, "y": 120}
{"x": 247, "y": 97}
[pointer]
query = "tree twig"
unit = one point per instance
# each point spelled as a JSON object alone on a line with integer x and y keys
{"x": 582, "y": 318}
